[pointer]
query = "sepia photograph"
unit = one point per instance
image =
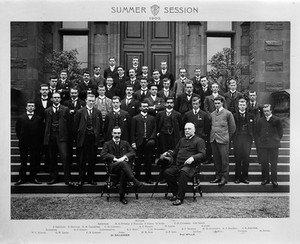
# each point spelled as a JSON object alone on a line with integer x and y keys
{"x": 149, "y": 122}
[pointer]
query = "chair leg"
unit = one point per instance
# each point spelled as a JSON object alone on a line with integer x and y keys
{"x": 108, "y": 190}
{"x": 194, "y": 188}
{"x": 167, "y": 192}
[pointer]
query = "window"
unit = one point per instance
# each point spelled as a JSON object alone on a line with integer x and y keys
{"x": 75, "y": 36}
{"x": 219, "y": 36}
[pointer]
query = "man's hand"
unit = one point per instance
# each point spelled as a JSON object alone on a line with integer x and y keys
{"x": 189, "y": 160}
{"x": 133, "y": 146}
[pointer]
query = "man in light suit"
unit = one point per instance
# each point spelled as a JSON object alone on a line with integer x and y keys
{"x": 269, "y": 131}
{"x": 29, "y": 132}
{"x": 88, "y": 130}
{"x": 117, "y": 117}
{"x": 103, "y": 103}
{"x": 56, "y": 137}
{"x": 118, "y": 153}
{"x": 179, "y": 85}
{"x": 143, "y": 136}
{"x": 222, "y": 129}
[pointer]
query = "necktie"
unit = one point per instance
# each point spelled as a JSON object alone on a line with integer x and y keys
{"x": 128, "y": 101}
{"x": 30, "y": 115}
{"x": 195, "y": 112}
{"x": 168, "y": 113}
{"x": 90, "y": 112}
{"x": 217, "y": 111}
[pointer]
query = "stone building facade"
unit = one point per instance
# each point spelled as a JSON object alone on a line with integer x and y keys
{"x": 263, "y": 47}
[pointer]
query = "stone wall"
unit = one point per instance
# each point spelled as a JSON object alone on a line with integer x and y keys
{"x": 269, "y": 58}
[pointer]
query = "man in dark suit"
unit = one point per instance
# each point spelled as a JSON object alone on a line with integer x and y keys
{"x": 145, "y": 74}
{"x": 197, "y": 80}
{"x": 189, "y": 152}
{"x": 41, "y": 104}
{"x": 57, "y": 132}
{"x": 143, "y": 135}
{"x": 255, "y": 109}
{"x": 29, "y": 131}
{"x": 142, "y": 93}
{"x": 118, "y": 153}
{"x": 88, "y": 130}
{"x": 120, "y": 81}
{"x": 74, "y": 104}
{"x": 209, "y": 105}
{"x": 63, "y": 86}
{"x": 169, "y": 127}
{"x": 204, "y": 90}
{"x": 117, "y": 117}
{"x": 242, "y": 141}
{"x": 156, "y": 80}
{"x": 183, "y": 102}
{"x": 112, "y": 69}
{"x": 43, "y": 101}
{"x": 232, "y": 97}
{"x": 52, "y": 85}
{"x": 86, "y": 86}
{"x": 166, "y": 91}
{"x": 165, "y": 73}
{"x": 97, "y": 77}
{"x": 135, "y": 66}
{"x": 129, "y": 104}
{"x": 269, "y": 131}
{"x": 111, "y": 89}
{"x": 202, "y": 124}
{"x": 156, "y": 103}
{"x": 133, "y": 80}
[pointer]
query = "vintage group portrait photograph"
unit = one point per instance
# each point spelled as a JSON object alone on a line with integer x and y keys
{"x": 149, "y": 122}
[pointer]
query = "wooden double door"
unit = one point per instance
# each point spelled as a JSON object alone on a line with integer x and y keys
{"x": 151, "y": 42}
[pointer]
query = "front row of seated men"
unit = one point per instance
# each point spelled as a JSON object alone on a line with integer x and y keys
{"x": 189, "y": 151}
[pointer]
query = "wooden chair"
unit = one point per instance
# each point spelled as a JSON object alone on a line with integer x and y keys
{"x": 113, "y": 180}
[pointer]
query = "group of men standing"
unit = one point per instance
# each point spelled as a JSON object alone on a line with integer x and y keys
{"x": 145, "y": 116}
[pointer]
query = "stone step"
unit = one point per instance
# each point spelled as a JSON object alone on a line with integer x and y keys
{"x": 205, "y": 186}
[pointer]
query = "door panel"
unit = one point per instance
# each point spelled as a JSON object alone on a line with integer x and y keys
{"x": 151, "y": 42}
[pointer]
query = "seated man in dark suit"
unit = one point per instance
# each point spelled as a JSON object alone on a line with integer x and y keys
{"x": 118, "y": 153}
{"x": 189, "y": 152}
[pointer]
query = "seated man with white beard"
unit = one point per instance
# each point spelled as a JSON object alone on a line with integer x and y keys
{"x": 189, "y": 152}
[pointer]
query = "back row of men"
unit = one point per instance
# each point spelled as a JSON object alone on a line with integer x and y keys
{"x": 148, "y": 119}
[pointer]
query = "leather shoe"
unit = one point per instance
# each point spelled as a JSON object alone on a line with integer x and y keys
{"x": 173, "y": 198}
{"x": 264, "y": 182}
{"x": 245, "y": 181}
{"x": 35, "y": 181}
{"x": 92, "y": 183}
{"x": 123, "y": 200}
{"x": 78, "y": 184}
{"x": 222, "y": 183}
{"x": 70, "y": 183}
{"x": 177, "y": 202}
{"x": 19, "y": 182}
{"x": 51, "y": 182}
{"x": 275, "y": 184}
{"x": 238, "y": 181}
{"x": 215, "y": 181}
